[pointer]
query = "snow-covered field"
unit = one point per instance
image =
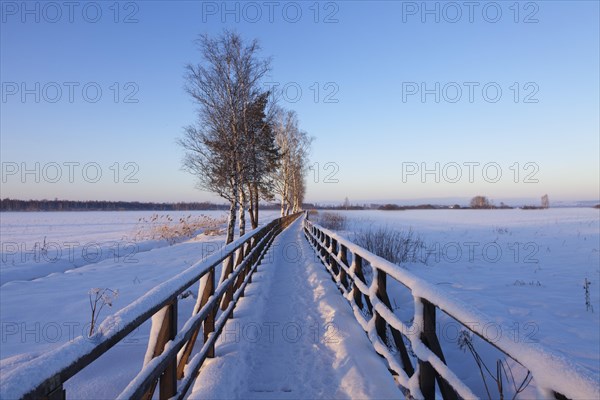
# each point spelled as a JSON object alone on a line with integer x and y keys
{"x": 75, "y": 239}
{"x": 524, "y": 269}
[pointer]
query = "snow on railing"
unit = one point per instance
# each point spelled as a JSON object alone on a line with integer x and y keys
{"x": 168, "y": 362}
{"x": 555, "y": 376}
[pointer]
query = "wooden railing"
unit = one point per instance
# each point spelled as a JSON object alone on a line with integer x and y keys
{"x": 171, "y": 368}
{"x": 372, "y": 309}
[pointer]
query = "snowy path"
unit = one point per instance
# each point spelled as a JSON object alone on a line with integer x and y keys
{"x": 293, "y": 336}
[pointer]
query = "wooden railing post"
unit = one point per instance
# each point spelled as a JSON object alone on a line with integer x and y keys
{"x": 247, "y": 249}
{"x": 380, "y": 279}
{"x": 228, "y": 267}
{"x": 428, "y": 376}
{"x": 381, "y": 324}
{"x": 167, "y": 331}
{"x": 255, "y": 258}
{"x": 251, "y": 261}
{"x": 426, "y": 371}
{"x": 209, "y": 322}
{"x": 241, "y": 254}
{"x": 343, "y": 256}
{"x": 209, "y": 290}
{"x": 332, "y": 263}
{"x": 168, "y": 380}
{"x": 358, "y": 272}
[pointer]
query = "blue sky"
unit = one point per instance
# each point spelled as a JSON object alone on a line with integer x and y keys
{"x": 374, "y": 131}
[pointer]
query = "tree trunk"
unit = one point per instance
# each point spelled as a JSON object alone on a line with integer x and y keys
{"x": 253, "y": 209}
{"x": 284, "y": 195}
{"x": 242, "y": 212}
{"x": 256, "y": 200}
{"x": 251, "y": 205}
{"x": 231, "y": 221}
{"x": 227, "y": 267}
{"x": 282, "y": 206}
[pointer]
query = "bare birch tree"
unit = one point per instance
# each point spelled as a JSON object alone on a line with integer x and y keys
{"x": 225, "y": 86}
{"x": 294, "y": 145}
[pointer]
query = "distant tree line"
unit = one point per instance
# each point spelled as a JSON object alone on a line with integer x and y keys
{"x": 385, "y": 207}
{"x": 95, "y": 205}
{"x": 477, "y": 202}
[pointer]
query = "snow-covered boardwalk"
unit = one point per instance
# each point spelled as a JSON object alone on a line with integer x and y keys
{"x": 293, "y": 336}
